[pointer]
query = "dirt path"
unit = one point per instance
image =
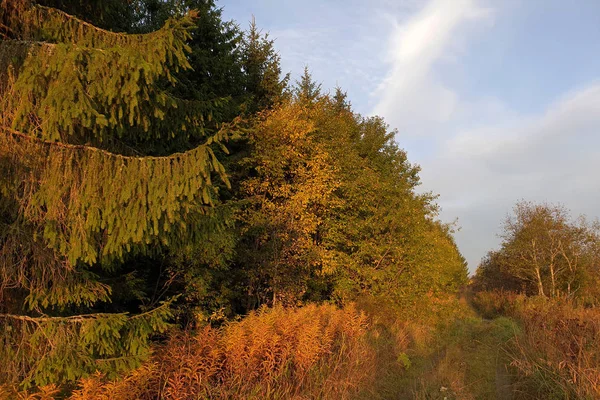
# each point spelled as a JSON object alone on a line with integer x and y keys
{"x": 471, "y": 364}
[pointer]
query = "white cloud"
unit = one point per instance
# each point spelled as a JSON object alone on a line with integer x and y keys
{"x": 482, "y": 172}
{"x": 412, "y": 97}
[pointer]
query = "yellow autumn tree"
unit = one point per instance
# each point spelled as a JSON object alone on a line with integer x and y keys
{"x": 290, "y": 187}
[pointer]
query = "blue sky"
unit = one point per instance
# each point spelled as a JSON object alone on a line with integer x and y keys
{"x": 496, "y": 100}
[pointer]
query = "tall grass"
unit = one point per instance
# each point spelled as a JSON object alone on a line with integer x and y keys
{"x": 558, "y": 353}
{"x": 309, "y": 352}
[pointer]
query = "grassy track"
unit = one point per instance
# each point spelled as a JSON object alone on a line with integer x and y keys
{"x": 463, "y": 359}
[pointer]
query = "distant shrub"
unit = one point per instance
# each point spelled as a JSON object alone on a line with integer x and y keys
{"x": 497, "y": 303}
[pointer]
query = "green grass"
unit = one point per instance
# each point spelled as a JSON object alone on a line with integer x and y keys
{"x": 460, "y": 359}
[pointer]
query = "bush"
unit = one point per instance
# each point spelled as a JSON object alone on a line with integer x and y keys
{"x": 495, "y": 303}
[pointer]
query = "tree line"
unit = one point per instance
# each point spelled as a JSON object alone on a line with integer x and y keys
{"x": 157, "y": 168}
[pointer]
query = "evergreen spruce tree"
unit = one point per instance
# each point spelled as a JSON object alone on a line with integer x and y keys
{"x": 340, "y": 99}
{"x": 89, "y": 179}
{"x": 114, "y": 15}
{"x": 261, "y": 63}
{"x": 306, "y": 88}
{"x": 215, "y": 52}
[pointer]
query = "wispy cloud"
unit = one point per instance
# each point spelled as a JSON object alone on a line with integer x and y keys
{"x": 478, "y": 153}
{"x": 412, "y": 96}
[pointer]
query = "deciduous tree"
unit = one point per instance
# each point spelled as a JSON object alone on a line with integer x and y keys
{"x": 545, "y": 249}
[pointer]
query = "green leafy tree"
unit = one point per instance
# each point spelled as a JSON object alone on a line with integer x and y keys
{"x": 491, "y": 274}
{"x": 384, "y": 234}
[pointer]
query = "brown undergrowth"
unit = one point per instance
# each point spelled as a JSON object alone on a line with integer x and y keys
{"x": 369, "y": 350}
{"x": 303, "y": 353}
{"x": 557, "y": 355}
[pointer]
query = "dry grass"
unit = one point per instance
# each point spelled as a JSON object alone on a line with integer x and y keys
{"x": 558, "y": 353}
{"x": 304, "y": 353}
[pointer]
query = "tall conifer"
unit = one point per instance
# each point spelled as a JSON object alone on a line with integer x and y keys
{"x": 87, "y": 180}
{"x": 306, "y": 88}
{"x": 261, "y": 63}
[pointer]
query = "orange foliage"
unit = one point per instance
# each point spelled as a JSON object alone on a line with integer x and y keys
{"x": 308, "y": 352}
{"x": 48, "y": 392}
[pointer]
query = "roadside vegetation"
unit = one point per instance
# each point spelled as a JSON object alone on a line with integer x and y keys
{"x": 545, "y": 278}
{"x": 167, "y": 194}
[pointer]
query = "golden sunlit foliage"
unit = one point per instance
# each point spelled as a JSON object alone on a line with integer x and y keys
{"x": 310, "y": 352}
{"x": 291, "y": 193}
